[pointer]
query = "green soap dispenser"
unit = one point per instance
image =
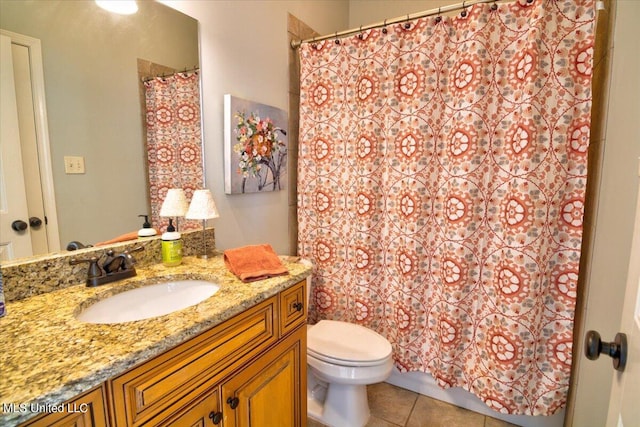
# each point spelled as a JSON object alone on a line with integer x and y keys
{"x": 171, "y": 246}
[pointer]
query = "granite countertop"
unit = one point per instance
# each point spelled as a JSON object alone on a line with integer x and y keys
{"x": 48, "y": 356}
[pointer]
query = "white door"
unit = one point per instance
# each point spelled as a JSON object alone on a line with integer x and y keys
{"x": 624, "y": 405}
{"x": 22, "y": 74}
{"x": 28, "y": 81}
{"x": 612, "y": 267}
{"x": 13, "y": 199}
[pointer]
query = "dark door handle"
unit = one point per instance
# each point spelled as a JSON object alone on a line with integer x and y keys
{"x": 34, "y": 221}
{"x": 233, "y": 402}
{"x": 616, "y": 349}
{"x": 19, "y": 225}
{"x": 216, "y": 417}
{"x": 298, "y": 306}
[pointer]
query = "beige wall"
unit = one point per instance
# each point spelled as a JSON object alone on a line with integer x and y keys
{"x": 244, "y": 52}
{"x": 363, "y": 12}
{"x": 91, "y": 86}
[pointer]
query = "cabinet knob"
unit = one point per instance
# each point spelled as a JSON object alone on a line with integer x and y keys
{"x": 298, "y": 306}
{"x": 233, "y": 402}
{"x": 215, "y": 417}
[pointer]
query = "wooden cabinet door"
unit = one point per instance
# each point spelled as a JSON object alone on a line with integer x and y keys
{"x": 175, "y": 377}
{"x": 269, "y": 391}
{"x": 204, "y": 412}
{"x": 87, "y": 410}
{"x": 293, "y": 307}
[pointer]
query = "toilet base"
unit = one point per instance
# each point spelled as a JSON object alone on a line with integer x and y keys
{"x": 337, "y": 405}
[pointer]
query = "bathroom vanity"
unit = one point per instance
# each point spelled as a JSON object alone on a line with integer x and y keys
{"x": 235, "y": 359}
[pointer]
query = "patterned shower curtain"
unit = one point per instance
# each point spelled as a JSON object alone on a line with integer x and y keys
{"x": 442, "y": 171}
{"x": 174, "y": 145}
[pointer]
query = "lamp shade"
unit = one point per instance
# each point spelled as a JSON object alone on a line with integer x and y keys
{"x": 202, "y": 206}
{"x": 175, "y": 203}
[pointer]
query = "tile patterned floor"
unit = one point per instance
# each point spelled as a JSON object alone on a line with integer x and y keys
{"x": 393, "y": 406}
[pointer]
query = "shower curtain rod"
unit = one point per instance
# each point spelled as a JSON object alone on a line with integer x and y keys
{"x": 163, "y": 75}
{"x": 450, "y": 8}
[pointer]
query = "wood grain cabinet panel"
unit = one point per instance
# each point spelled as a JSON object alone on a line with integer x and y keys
{"x": 204, "y": 412}
{"x": 293, "y": 307}
{"x": 269, "y": 391}
{"x": 175, "y": 376}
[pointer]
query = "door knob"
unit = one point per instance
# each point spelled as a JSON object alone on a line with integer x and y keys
{"x": 19, "y": 225}
{"x": 34, "y": 221}
{"x": 297, "y": 306}
{"x": 616, "y": 349}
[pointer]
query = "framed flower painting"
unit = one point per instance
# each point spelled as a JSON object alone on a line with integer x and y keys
{"x": 255, "y": 146}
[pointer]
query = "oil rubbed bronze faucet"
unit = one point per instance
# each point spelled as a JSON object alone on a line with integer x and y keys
{"x": 109, "y": 266}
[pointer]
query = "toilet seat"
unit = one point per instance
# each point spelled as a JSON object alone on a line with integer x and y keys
{"x": 346, "y": 344}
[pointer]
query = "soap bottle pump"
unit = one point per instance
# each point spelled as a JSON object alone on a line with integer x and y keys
{"x": 171, "y": 246}
{"x": 146, "y": 229}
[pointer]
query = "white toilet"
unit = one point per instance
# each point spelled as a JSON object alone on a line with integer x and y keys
{"x": 342, "y": 358}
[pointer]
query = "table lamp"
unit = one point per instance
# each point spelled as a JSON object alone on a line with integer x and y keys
{"x": 174, "y": 205}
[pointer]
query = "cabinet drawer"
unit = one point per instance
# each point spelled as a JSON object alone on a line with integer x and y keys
{"x": 293, "y": 307}
{"x": 178, "y": 374}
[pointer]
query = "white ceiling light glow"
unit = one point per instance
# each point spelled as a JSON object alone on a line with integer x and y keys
{"x": 122, "y": 7}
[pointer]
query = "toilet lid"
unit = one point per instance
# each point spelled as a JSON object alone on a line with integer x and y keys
{"x": 346, "y": 343}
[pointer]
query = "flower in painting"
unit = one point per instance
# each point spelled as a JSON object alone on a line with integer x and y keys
{"x": 259, "y": 146}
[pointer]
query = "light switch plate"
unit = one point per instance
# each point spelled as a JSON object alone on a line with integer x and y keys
{"x": 73, "y": 165}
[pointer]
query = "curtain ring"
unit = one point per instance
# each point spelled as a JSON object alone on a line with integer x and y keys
{"x": 438, "y": 18}
{"x": 384, "y": 28}
{"x": 360, "y": 35}
{"x": 407, "y": 25}
{"x": 337, "y": 41}
{"x": 464, "y": 10}
{"x": 494, "y": 5}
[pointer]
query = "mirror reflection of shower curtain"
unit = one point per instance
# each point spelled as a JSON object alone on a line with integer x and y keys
{"x": 441, "y": 181}
{"x": 174, "y": 146}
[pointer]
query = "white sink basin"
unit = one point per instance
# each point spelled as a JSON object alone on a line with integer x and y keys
{"x": 148, "y": 301}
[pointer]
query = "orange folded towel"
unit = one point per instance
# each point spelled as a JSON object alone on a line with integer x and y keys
{"x": 254, "y": 262}
{"x": 122, "y": 238}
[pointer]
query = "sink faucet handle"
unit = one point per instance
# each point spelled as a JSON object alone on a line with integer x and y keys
{"x": 94, "y": 268}
{"x": 129, "y": 260}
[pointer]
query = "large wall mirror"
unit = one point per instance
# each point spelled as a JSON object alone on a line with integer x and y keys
{"x": 91, "y": 77}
